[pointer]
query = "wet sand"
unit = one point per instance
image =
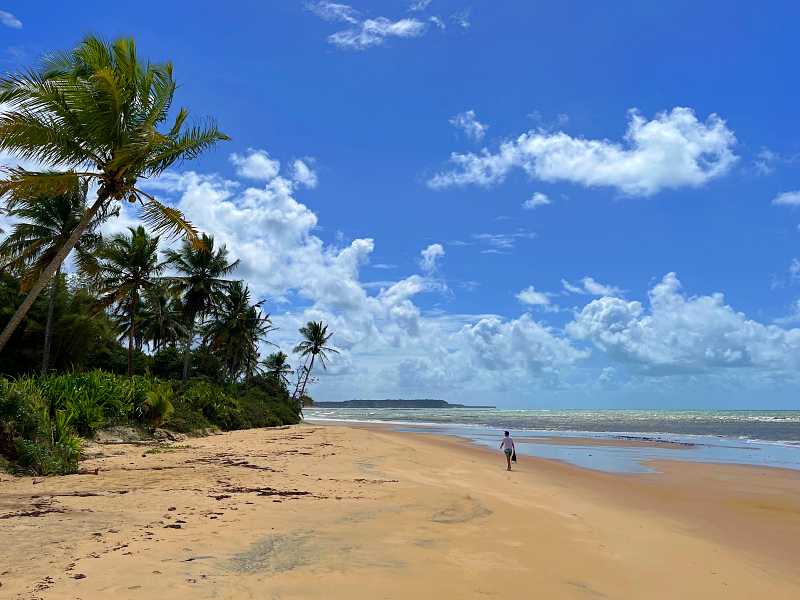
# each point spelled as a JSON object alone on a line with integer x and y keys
{"x": 313, "y": 512}
{"x": 621, "y": 442}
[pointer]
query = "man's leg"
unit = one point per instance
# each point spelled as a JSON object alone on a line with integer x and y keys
{"x": 508, "y": 460}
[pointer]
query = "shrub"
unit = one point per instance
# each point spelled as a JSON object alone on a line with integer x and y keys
{"x": 34, "y": 432}
{"x": 97, "y": 398}
{"x": 211, "y": 400}
{"x": 40, "y": 416}
{"x": 185, "y": 418}
{"x": 20, "y": 406}
{"x": 158, "y": 404}
{"x": 168, "y": 363}
{"x": 86, "y": 414}
{"x": 267, "y": 405}
{"x": 256, "y": 413}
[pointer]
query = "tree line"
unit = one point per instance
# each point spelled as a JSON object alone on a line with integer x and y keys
{"x": 100, "y": 120}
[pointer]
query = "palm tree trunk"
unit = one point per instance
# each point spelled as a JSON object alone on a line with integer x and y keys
{"x": 48, "y": 328}
{"x": 305, "y": 381}
{"x": 47, "y": 274}
{"x": 132, "y": 334}
{"x": 299, "y": 380}
{"x": 187, "y": 352}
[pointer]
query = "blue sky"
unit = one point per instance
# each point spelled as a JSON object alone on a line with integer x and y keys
{"x": 653, "y": 265}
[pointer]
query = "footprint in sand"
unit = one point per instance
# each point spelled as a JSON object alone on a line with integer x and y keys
{"x": 462, "y": 510}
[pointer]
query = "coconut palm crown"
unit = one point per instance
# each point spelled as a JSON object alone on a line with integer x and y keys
{"x": 200, "y": 282}
{"x": 128, "y": 265}
{"x": 278, "y": 368}
{"x": 43, "y": 224}
{"x": 236, "y": 330}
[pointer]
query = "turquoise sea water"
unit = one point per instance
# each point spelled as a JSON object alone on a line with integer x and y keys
{"x": 763, "y": 438}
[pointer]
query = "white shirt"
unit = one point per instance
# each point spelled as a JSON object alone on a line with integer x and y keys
{"x": 507, "y": 443}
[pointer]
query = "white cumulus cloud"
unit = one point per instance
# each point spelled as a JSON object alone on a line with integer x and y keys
{"x": 538, "y": 199}
{"x": 429, "y": 258}
{"x": 468, "y": 122}
{"x": 674, "y": 149}
{"x": 303, "y": 174}
{"x": 787, "y": 199}
{"x": 680, "y": 334}
{"x": 530, "y": 296}
{"x": 256, "y": 164}
{"x": 494, "y": 344}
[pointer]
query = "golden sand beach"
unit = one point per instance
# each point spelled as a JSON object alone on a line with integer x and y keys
{"x": 325, "y": 512}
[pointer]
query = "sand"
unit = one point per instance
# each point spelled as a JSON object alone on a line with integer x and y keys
{"x": 313, "y": 512}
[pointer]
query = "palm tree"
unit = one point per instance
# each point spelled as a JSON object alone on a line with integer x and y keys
{"x": 200, "y": 283}
{"x": 278, "y": 368}
{"x": 316, "y": 336}
{"x": 94, "y": 114}
{"x": 236, "y": 329}
{"x": 44, "y": 224}
{"x": 161, "y": 321}
{"x": 126, "y": 317}
{"x": 128, "y": 264}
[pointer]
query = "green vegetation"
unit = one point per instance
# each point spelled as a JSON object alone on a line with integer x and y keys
{"x": 97, "y": 111}
{"x": 128, "y": 334}
{"x": 42, "y": 418}
{"x": 200, "y": 280}
{"x": 35, "y": 431}
{"x": 45, "y": 224}
{"x": 166, "y": 449}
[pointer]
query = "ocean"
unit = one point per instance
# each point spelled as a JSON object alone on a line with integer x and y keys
{"x": 762, "y": 438}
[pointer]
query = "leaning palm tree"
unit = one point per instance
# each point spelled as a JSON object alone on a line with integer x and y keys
{"x": 235, "y": 330}
{"x": 128, "y": 265}
{"x": 94, "y": 114}
{"x": 200, "y": 282}
{"x": 315, "y": 338}
{"x": 278, "y": 368}
{"x": 43, "y": 225}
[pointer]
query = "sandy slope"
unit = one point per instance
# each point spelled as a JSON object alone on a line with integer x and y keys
{"x": 334, "y": 512}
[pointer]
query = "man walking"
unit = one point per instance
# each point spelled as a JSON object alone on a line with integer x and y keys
{"x": 507, "y": 445}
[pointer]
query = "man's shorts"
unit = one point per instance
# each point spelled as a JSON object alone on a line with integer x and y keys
{"x": 508, "y": 451}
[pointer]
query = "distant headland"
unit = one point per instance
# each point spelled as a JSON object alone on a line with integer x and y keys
{"x": 397, "y": 403}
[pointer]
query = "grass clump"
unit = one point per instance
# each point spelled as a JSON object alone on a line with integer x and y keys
{"x": 157, "y": 406}
{"x": 164, "y": 449}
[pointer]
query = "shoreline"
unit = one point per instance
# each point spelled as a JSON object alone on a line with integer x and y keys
{"x": 568, "y": 440}
{"x": 333, "y": 511}
{"x": 644, "y": 449}
{"x": 570, "y": 433}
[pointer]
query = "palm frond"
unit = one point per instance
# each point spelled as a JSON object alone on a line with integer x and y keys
{"x": 189, "y": 145}
{"x": 19, "y": 185}
{"x": 168, "y": 220}
{"x": 179, "y": 120}
{"x": 42, "y": 137}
